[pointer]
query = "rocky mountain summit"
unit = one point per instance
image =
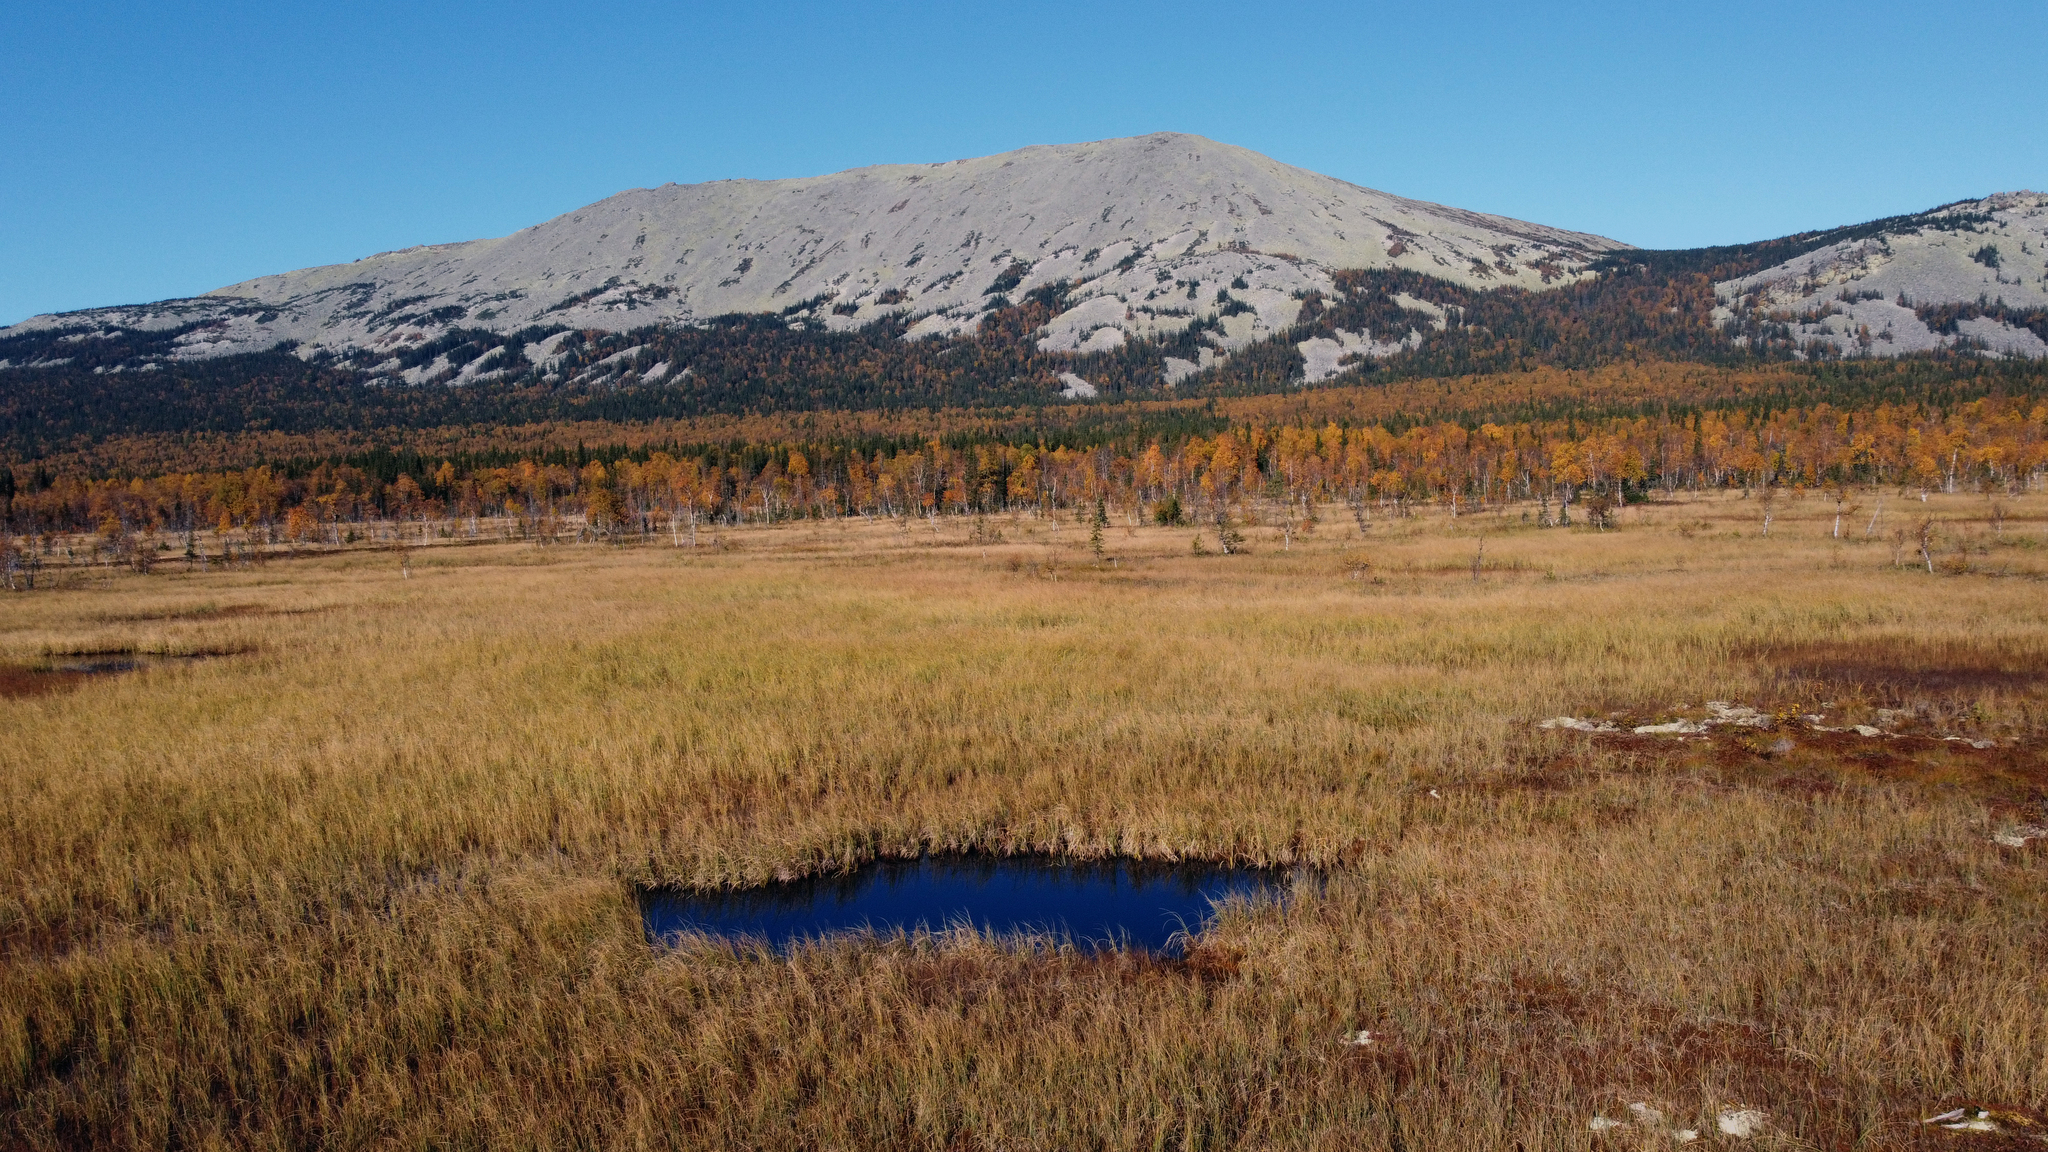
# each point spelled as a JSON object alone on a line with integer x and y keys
{"x": 1150, "y": 232}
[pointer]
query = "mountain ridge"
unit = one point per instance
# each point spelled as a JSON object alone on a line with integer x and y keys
{"x": 977, "y": 294}
{"x": 1882, "y": 282}
{"x": 942, "y": 242}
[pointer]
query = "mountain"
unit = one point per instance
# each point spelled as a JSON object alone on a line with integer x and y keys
{"x": 1150, "y": 233}
{"x": 1138, "y": 268}
{"x": 1969, "y": 274}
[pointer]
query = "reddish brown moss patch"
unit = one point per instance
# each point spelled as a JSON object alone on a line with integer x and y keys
{"x": 17, "y": 682}
{"x": 1897, "y": 673}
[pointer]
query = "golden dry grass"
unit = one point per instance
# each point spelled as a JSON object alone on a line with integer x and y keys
{"x": 371, "y": 881}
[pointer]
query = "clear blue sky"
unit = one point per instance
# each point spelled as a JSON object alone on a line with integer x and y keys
{"x": 158, "y": 150}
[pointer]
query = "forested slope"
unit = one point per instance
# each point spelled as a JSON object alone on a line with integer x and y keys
{"x": 58, "y": 394}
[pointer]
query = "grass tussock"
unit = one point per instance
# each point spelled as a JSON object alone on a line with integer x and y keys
{"x": 370, "y": 882}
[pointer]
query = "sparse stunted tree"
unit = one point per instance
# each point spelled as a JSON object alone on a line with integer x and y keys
{"x": 1228, "y": 537}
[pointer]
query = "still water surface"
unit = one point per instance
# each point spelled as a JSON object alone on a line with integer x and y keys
{"x": 68, "y": 673}
{"x": 1107, "y": 904}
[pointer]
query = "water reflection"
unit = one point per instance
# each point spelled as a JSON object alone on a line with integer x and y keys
{"x": 64, "y": 673}
{"x": 1096, "y": 904}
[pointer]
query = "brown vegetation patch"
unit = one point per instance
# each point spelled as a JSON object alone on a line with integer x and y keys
{"x": 1796, "y": 760}
{"x": 1826, "y": 761}
{"x": 207, "y": 612}
{"x": 1690, "y": 1068}
{"x": 71, "y": 670}
{"x": 17, "y": 681}
{"x": 1902, "y": 673}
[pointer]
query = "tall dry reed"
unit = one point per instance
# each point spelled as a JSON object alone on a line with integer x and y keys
{"x": 370, "y": 881}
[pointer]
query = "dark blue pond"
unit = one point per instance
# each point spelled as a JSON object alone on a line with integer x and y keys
{"x": 1108, "y": 904}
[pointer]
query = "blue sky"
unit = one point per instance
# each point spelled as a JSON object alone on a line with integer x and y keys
{"x": 158, "y": 150}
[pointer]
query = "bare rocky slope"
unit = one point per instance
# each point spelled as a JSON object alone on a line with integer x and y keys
{"x": 1970, "y": 267}
{"x": 1206, "y": 247}
{"x": 1153, "y": 231}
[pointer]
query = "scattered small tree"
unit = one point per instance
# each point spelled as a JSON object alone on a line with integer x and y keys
{"x": 1600, "y": 510}
{"x": 1228, "y": 537}
{"x": 1358, "y": 515}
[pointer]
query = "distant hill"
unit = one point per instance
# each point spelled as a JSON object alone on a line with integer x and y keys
{"x": 1163, "y": 265}
{"x": 1149, "y": 231}
{"x": 1968, "y": 275}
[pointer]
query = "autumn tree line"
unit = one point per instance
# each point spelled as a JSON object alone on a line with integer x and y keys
{"x": 1992, "y": 444}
